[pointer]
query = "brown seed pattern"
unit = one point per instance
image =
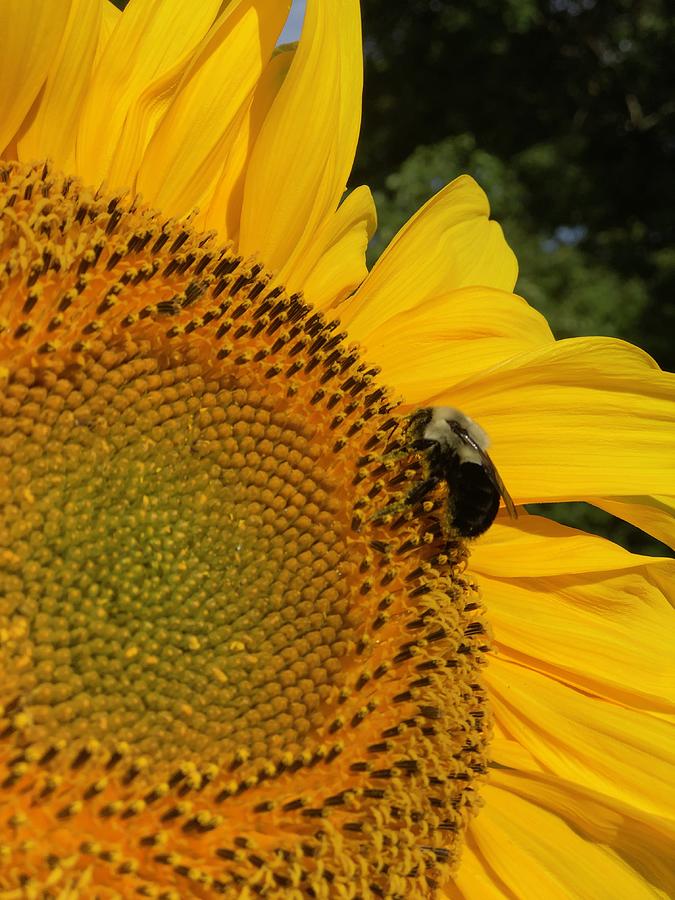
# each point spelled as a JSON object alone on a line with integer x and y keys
{"x": 222, "y": 674}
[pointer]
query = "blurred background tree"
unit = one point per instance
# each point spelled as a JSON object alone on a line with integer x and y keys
{"x": 563, "y": 110}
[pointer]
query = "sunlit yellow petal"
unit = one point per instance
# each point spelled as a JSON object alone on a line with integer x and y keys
{"x": 581, "y": 610}
{"x": 335, "y": 262}
{"x": 644, "y": 841}
{"x": 655, "y": 515}
{"x": 625, "y": 753}
{"x": 535, "y": 853}
{"x": 580, "y": 418}
{"x": 535, "y": 547}
{"x": 109, "y": 17}
{"x": 475, "y": 878}
{"x": 52, "y": 129}
{"x": 509, "y": 753}
{"x": 224, "y": 210}
{"x": 180, "y": 166}
{"x": 153, "y": 40}
{"x": 450, "y": 243}
{"x": 455, "y": 336}
{"x": 301, "y": 161}
{"x": 32, "y": 33}
{"x": 147, "y": 110}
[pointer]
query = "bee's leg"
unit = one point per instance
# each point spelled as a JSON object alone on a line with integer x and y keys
{"x": 404, "y": 450}
{"x": 422, "y": 444}
{"x": 413, "y": 496}
{"x": 420, "y": 490}
{"x": 392, "y": 456}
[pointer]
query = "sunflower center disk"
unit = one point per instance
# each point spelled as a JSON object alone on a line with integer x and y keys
{"x": 180, "y": 564}
{"x": 220, "y": 670}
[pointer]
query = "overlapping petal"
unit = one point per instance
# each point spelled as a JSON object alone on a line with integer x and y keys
{"x": 449, "y": 244}
{"x": 528, "y": 849}
{"x": 335, "y": 263}
{"x": 181, "y": 163}
{"x": 619, "y": 751}
{"x": 475, "y": 879}
{"x": 51, "y": 130}
{"x": 109, "y": 17}
{"x": 640, "y": 840}
{"x": 135, "y": 76}
{"x": 575, "y": 618}
{"x": 455, "y": 336}
{"x": 224, "y": 210}
{"x": 581, "y": 610}
{"x": 654, "y": 515}
{"x": 534, "y": 546}
{"x": 34, "y": 33}
{"x": 299, "y": 167}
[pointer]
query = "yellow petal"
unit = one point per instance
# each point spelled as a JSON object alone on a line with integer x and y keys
{"x": 536, "y": 547}
{"x": 450, "y": 243}
{"x": 595, "y": 613}
{"x": 147, "y": 110}
{"x": 454, "y": 336}
{"x": 304, "y": 153}
{"x": 475, "y": 878}
{"x": 52, "y": 131}
{"x": 151, "y": 40}
{"x": 335, "y": 262}
{"x": 224, "y": 211}
{"x": 534, "y": 853}
{"x": 581, "y": 418}
{"x": 644, "y": 842}
{"x": 183, "y": 160}
{"x": 109, "y": 18}
{"x": 32, "y": 31}
{"x": 508, "y": 753}
{"x": 625, "y": 753}
{"x": 654, "y": 515}
{"x": 596, "y": 639}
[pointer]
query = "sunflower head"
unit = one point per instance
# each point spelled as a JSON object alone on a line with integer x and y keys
{"x": 223, "y": 666}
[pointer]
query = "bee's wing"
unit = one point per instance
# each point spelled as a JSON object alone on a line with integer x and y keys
{"x": 499, "y": 484}
{"x": 489, "y": 467}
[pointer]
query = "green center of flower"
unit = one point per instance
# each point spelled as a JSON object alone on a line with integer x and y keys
{"x": 222, "y": 671}
{"x": 179, "y": 560}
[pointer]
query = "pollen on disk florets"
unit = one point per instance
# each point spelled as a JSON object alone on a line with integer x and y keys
{"x": 221, "y": 671}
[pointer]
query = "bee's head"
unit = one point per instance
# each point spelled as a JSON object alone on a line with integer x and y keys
{"x": 446, "y": 425}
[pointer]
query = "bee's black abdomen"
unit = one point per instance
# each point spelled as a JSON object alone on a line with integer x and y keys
{"x": 475, "y": 500}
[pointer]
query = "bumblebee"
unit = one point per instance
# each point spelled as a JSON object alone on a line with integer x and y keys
{"x": 454, "y": 448}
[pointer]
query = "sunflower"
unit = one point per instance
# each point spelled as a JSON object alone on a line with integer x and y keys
{"x": 236, "y": 659}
